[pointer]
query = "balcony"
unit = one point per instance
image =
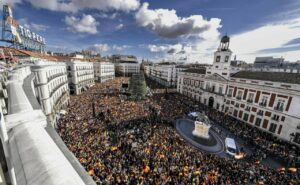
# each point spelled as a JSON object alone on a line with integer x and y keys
{"x": 250, "y": 101}
{"x": 260, "y": 113}
{"x": 248, "y": 109}
{"x": 229, "y": 95}
{"x": 275, "y": 119}
{"x": 238, "y": 98}
{"x": 263, "y": 104}
{"x": 278, "y": 109}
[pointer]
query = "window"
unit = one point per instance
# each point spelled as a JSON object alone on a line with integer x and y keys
{"x": 226, "y": 58}
{"x": 239, "y": 96}
{"x": 279, "y": 106}
{"x": 220, "y": 89}
{"x": 230, "y": 92}
{"x": 257, "y": 122}
{"x": 247, "y": 108}
{"x": 264, "y": 101}
{"x": 275, "y": 117}
{"x": 237, "y": 105}
{"x": 250, "y": 97}
{"x": 260, "y": 112}
{"x": 272, "y": 128}
{"x": 297, "y": 138}
{"x": 218, "y": 58}
{"x": 246, "y": 116}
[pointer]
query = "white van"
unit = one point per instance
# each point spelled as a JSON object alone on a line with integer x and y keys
{"x": 230, "y": 146}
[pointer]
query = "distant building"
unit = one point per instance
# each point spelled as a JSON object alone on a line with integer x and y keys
{"x": 238, "y": 63}
{"x": 164, "y": 73}
{"x": 51, "y": 87}
{"x": 80, "y": 75}
{"x": 126, "y": 65}
{"x": 268, "y": 62}
{"x": 104, "y": 71}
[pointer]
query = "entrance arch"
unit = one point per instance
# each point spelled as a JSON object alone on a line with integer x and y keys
{"x": 211, "y": 102}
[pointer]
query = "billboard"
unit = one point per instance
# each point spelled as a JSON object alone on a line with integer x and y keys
{"x": 19, "y": 32}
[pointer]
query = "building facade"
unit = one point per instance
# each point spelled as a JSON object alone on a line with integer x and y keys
{"x": 268, "y": 100}
{"x": 3, "y": 91}
{"x": 104, "y": 71}
{"x": 127, "y": 69}
{"x": 165, "y": 74}
{"x": 51, "y": 88}
{"x": 80, "y": 76}
{"x": 126, "y": 65}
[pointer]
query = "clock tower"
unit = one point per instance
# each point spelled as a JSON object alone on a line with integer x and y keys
{"x": 222, "y": 58}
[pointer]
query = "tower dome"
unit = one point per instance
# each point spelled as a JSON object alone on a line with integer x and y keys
{"x": 224, "y": 44}
{"x": 225, "y": 39}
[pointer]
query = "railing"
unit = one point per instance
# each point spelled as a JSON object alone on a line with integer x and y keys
{"x": 260, "y": 113}
{"x": 250, "y": 101}
{"x": 238, "y": 98}
{"x": 55, "y": 76}
{"x": 263, "y": 104}
{"x": 278, "y": 109}
{"x": 57, "y": 87}
{"x": 275, "y": 119}
{"x": 229, "y": 95}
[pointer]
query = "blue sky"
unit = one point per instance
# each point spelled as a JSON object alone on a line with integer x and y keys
{"x": 166, "y": 29}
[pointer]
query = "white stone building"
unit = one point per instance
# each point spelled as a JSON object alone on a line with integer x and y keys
{"x": 80, "y": 75}
{"x": 3, "y": 91}
{"x": 51, "y": 87}
{"x": 269, "y": 100}
{"x": 104, "y": 71}
{"x": 126, "y": 65}
{"x": 127, "y": 68}
{"x": 165, "y": 74}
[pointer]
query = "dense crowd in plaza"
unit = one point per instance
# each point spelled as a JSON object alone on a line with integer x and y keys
{"x": 135, "y": 142}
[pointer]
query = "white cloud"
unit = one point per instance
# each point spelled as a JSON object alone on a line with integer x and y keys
{"x": 87, "y": 24}
{"x": 167, "y": 24}
{"x": 120, "y": 47}
{"x": 120, "y": 26}
{"x": 33, "y": 26}
{"x": 103, "y": 48}
{"x": 263, "y": 40}
{"x": 165, "y": 48}
{"x": 39, "y": 27}
{"x": 77, "y": 5}
{"x": 99, "y": 48}
{"x": 10, "y": 2}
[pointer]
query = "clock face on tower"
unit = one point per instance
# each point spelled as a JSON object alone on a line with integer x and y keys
{"x": 218, "y": 58}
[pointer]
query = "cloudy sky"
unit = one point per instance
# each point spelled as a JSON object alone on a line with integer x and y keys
{"x": 178, "y": 30}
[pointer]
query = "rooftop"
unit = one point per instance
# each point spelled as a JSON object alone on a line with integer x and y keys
{"x": 196, "y": 70}
{"x": 292, "y": 78}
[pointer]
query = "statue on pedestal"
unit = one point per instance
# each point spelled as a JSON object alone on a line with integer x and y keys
{"x": 201, "y": 130}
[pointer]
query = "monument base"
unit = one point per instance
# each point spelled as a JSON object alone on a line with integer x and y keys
{"x": 201, "y": 129}
{"x": 201, "y": 135}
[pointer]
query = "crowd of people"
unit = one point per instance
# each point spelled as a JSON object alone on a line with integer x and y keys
{"x": 135, "y": 142}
